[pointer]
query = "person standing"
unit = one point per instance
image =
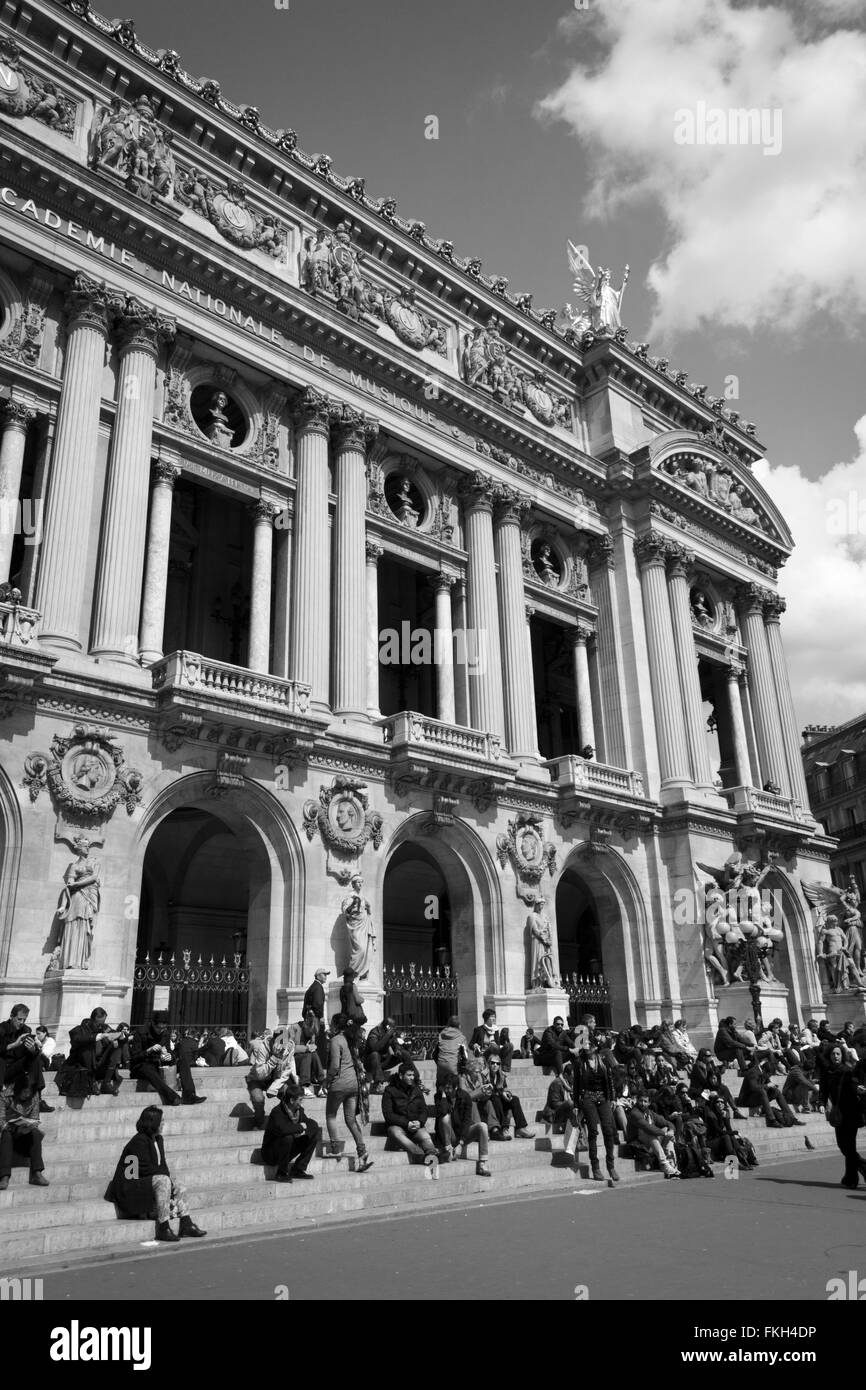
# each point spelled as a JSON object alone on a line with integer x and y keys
{"x": 451, "y": 1050}
{"x": 315, "y": 996}
{"x": 290, "y": 1137}
{"x": 351, "y": 999}
{"x": 344, "y": 1081}
{"x": 595, "y": 1093}
{"x": 846, "y": 1092}
{"x": 142, "y": 1184}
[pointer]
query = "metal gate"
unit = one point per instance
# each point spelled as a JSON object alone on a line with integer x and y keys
{"x": 421, "y": 1001}
{"x": 587, "y": 994}
{"x": 195, "y": 995}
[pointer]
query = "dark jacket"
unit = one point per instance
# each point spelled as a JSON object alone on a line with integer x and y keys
{"x": 281, "y": 1125}
{"x": 587, "y": 1079}
{"x": 482, "y": 1038}
{"x": 551, "y": 1043}
{"x": 754, "y": 1081}
{"x": 315, "y": 999}
{"x": 213, "y": 1052}
{"x": 726, "y": 1041}
{"x": 131, "y": 1187}
{"x": 381, "y": 1039}
{"x": 842, "y": 1083}
{"x": 558, "y": 1093}
{"x": 352, "y": 1003}
{"x": 9, "y": 1036}
{"x": 704, "y": 1077}
{"x": 642, "y": 1128}
{"x": 400, "y": 1104}
{"x": 145, "y": 1036}
{"x": 461, "y": 1115}
{"x": 82, "y": 1042}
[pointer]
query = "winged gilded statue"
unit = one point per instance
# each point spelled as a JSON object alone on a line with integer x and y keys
{"x": 599, "y": 304}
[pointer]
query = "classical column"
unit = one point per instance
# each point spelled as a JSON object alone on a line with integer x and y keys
{"x": 585, "y": 726}
{"x": 651, "y": 551}
{"x": 311, "y": 564}
{"x": 259, "y": 649}
{"x": 521, "y": 734}
{"x": 282, "y": 590}
{"x": 765, "y": 706}
{"x": 611, "y": 672}
{"x": 15, "y": 418}
{"x": 373, "y": 553}
{"x": 164, "y": 476}
{"x": 738, "y": 728}
{"x": 680, "y": 562}
{"x": 91, "y": 307}
{"x": 462, "y": 703}
{"x": 124, "y": 524}
{"x": 774, "y": 607}
{"x": 482, "y": 637}
{"x": 353, "y": 433}
{"x": 443, "y": 647}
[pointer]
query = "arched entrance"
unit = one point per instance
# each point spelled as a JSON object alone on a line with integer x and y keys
{"x": 222, "y": 874}
{"x": 441, "y": 912}
{"x": 581, "y": 957}
{"x": 606, "y": 956}
{"x": 10, "y": 860}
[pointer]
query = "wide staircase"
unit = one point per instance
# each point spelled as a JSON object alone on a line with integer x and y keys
{"x": 214, "y": 1152}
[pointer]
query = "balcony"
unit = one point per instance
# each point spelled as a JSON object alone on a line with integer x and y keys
{"x": 202, "y": 690}
{"x": 572, "y": 773}
{"x": 22, "y": 664}
{"x": 18, "y": 625}
{"x": 427, "y": 752}
{"x": 778, "y": 820}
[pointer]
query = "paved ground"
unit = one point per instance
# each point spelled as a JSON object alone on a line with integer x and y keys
{"x": 778, "y": 1233}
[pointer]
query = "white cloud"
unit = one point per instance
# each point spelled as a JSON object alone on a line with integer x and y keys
{"x": 753, "y": 239}
{"x": 824, "y": 583}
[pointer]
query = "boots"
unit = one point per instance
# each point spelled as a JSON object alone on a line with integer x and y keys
{"x": 164, "y": 1232}
{"x": 189, "y": 1228}
{"x": 598, "y": 1175}
{"x": 481, "y": 1169}
{"x": 611, "y": 1171}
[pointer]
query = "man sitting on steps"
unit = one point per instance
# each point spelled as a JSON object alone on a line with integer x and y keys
{"x": 404, "y": 1110}
{"x": 150, "y": 1050}
{"x": 290, "y": 1137}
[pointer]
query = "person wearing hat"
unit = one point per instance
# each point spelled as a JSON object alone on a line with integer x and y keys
{"x": 290, "y": 1137}
{"x": 315, "y": 996}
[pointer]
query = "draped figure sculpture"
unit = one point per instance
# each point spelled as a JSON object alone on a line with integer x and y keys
{"x": 360, "y": 929}
{"x": 79, "y": 908}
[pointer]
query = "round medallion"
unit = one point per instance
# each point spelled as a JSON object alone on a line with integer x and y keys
{"x": 89, "y": 772}
{"x": 236, "y": 215}
{"x": 346, "y": 815}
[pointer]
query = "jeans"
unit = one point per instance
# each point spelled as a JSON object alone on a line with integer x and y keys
{"x": 377, "y": 1063}
{"x": 506, "y": 1110}
{"x": 597, "y": 1111}
{"x": 30, "y": 1144}
{"x": 296, "y": 1150}
{"x": 149, "y": 1072}
{"x": 846, "y": 1140}
{"x": 475, "y": 1132}
{"x": 309, "y": 1068}
{"x": 418, "y": 1139}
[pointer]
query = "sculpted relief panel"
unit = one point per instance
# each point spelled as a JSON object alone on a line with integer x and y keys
{"x": 714, "y": 483}
{"x": 22, "y": 93}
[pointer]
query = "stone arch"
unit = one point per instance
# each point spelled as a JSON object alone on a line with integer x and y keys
{"x": 477, "y": 929}
{"x": 268, "y": 838}
{"x": 799, "y": 972}
{"x": 626, "y": 941}
{"x": 11, "y": 835}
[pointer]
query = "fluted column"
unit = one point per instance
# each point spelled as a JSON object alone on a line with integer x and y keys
{"x": 585, "y": 724}
{"x": 611, "y": 671}
{"x": 311, "y": 563}
{"x": 483, "y": 636}
{"x": 282, "y": 591}
{"x": 353, "y": 433}
{"x": 164, "y": 476}
{"x": 738, "y": 727}
{"x": 443, "y": 646}
{"x": 680, "y": 562}
{"x": 651, "y": 551}
{"x": 462, "y": 702}
{"x": 91, "y": 307}
{"x": 521, "y": 734}
{"x": 765, "y": 706}
{"x": 774, "y": 607}
{"x": 259, "y": 650}
{"x": 124, "y": 525}
{"x": 373, "y": 554}
{"x": 15, "y": 419}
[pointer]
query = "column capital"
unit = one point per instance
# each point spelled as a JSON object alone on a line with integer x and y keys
{"x": 15, "y": 415}
{"x": 142, "y": 328}
{"x": 374, "y": 552}
{"x": 750, "y": 598}
{"x": 478, "y": 491}
{"x": 736, "y": 670}
{"x": 441, "y": 582}
{"x": 581, "y": 635}
{"x": 652, "y": 548}
{"x": 161, "y": 471}
{"x": 312, "y": 410}
{"x": 263, "y": 511}
{"x": 511, "y": 504}
{"x": 774, "y": 607}
{"x": 600, "y": 552}
{"x": 680, "y": 560}
{"x": 93, "y": 304}
{"x": 352, "y": 429}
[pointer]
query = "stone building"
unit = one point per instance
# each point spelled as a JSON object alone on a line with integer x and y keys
{"x": 834, "y": 761}
{"x": 326, "y": 553}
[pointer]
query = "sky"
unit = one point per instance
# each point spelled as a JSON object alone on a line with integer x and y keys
{"x": 593, "y": 120}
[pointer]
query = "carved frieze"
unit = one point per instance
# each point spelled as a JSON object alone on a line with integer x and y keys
{"x": 130, "y": 144}
{"x": 22, "y": 93}
{"x": 540, "y": 476}
{"x": 225, "y": 206}
{"x": 332, "y": 269}
{"x": 86, "y": 775}
{"x": 485, "y": 361}
{"x": 528, "y": 853}
{"x": 24, "y": 343}
{"x": 714, "y": 483}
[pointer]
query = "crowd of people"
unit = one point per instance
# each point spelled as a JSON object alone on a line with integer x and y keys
{"x": 650, "y": 1089}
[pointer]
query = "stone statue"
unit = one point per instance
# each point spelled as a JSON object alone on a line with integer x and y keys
{"x": 544, "y": 566}
{"x": 838, "y": 924}
{"x": 79, "y": 908}
{"x": 832, "y": 952}
{"x": 714, "y": 933}
{"x": 362, "y": 934}
{"x": 735, "y": 914}
{"x": 217, "y": 428}
{"x": 345, "y": 273}
{"x": 403, "y": 508}
{"x": 542, "y": 974}
{"x": 600, "y": 303}
{"x": 130, "y": 143}
{"x": 315, "y": 275}
{"x": 700, "y": 608}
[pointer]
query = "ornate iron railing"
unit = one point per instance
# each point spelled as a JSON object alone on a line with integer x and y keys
{"x": 421, "y": 1001}
{"x": 587, "y": 992}
{"x": 201, "y": 994}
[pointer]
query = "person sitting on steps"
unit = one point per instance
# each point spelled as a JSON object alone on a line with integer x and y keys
{"x": 290, "y": 1137}
{"x": 20, "y": 1132}
{"x": 404, "y": 1110}
{"x": 142, "y": 1184}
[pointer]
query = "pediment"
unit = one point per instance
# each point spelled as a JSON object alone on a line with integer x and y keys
{"x": 718, "y": 483}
